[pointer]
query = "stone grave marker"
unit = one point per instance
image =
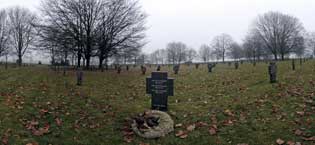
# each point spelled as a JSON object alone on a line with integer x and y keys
{"x": 176, "y": 69}
{"x": 293, "y": 64}
{"x": 159, "y": 86}
{"x": 197, "y": 66}
{"x": 119, "y": 69}
{"x": 79, "y": 77}
{"x": 210, "y": 66}
{"x": 127, "y": 67}
{"x": 158, "y": 68}
{"x": 236, "y": 65}
{"x": 143, "y": 69}
{"x": 272, "y": 72}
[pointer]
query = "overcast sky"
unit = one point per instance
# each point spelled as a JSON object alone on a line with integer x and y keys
{"x": 196, "y": 22}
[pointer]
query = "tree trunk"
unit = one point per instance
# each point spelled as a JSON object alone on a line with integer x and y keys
{"x": 20, "y": 60}
{"x": 88, "y": 59}
{"x": 100, "y": 66}
{"x": 282, "y": 57}
{"x": 276, "y": 57}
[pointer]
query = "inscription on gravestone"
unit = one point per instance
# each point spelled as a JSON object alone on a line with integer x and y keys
{"x": 159, "y": 86}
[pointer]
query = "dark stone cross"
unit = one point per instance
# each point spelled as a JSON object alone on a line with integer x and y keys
{"x": 159, "y": 86}
{"x": 158, "y": 68}
{"x": 272, "y": 72}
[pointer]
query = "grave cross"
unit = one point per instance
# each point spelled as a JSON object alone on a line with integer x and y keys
{"x": 159, "y": 86}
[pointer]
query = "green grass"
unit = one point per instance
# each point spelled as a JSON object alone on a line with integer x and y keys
{"x": 95, "y": 113}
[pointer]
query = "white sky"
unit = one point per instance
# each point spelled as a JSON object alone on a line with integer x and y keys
{"x": 196, "y": 22}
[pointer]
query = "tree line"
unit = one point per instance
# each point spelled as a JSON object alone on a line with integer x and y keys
{"x": 76, "y": 31}
{"x": 113, "y": 32}
{"x": 272, "y": 35}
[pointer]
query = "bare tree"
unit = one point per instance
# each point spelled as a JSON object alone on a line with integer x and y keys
{"x": 22, "y": 30}
{"x": 299, "y": 46}
{"x": 191, "y": 54}
{"x": 279, "y": 32}
{"x": 101, "y": 28}
{"x": 253, "y": 46}
{"x": 4, "y": 33}
{"x": 310, "y": 42}
{"x": 205, "y": 53}
{"x": 235, "y": 51}
{"x": 176, "y": 52}
{"x": 122, "y": 24}
{"x": 221, "y": 44}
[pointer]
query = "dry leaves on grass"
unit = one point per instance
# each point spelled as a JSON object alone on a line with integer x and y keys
{"x": 213, "y": 130}
{"x": 280, "y": 141}
{"x": 309, "y": 138}
{"x": 181, "y": 134}
{"x": 191, "y": 128}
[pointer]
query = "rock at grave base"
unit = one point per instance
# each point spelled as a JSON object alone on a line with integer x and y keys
{"x": 164, "y": 127}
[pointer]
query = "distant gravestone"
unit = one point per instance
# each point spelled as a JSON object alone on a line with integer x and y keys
{"x": 293, "y": 64}
{"x": 159, "y": 86}
{"x": 118, "y": 69}
{"x": 79, "y": 77}
{"x": 143, "y": 70}
{"x": 230, "y": 63}
{"x": 272, "y": 72}
{"x": 197, "y": 66}
{"x": 158, "y": 68}
{"x": 127, "y": 67}
{"x": 236, "y": 65}
{"x": 210, "y": 66}
{"x": 176, "y": 69}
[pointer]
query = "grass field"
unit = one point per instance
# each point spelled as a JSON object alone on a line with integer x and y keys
{"x": 38, "y": 105}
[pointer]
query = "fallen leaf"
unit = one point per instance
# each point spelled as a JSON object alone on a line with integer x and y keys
{"x": 191, "y": 128}
{"x": 309, "y": 139}
{"x": 280, "y": 141}
{"x": 181, "y": 134}
{"x": 290, "y": 143}
{"x": 58, "y": 121}
{"x": 128, "y": 139}
{"x": 201, "y": 124}
{"x": 213, "y": 130}
{"x": 298, "y": 132}
{"x": 32, "y": 143}
{"x": 178, "y": 125}
{"x": 301, "y": 113}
